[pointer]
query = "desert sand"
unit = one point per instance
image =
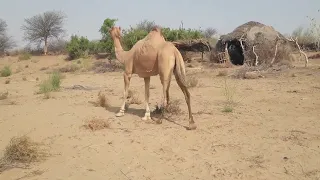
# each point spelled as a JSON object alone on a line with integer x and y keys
{"x": 272, "y": 133}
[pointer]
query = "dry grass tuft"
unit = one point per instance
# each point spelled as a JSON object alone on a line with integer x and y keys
{"x": 192, "y": 81}
{"x": 102, "y": 101}
{"x": 173, "y": 108}
{"x": 223, "y": 73}
{"x": 19, "y": 69}
{"x": 4, "y": 95}
{"x": 43, "y": 68}
{"x": 21, "y": 150}
{"x": 24, "y": 56}
{"x": 229, "y": 93}
{"x": 152, "y": 87}
{"x": 247, "y": 72}
{"x": 133, "y": 97}
{"x": 102, "y": 66}
{"x": 7, "y": 81}
{"x": 24, "y": 78}
{"x": 96, "y": 124}
{"x": 69, "y": 68}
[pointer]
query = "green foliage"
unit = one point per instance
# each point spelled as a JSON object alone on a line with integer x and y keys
{"x": 24, "y": 56}
{"x": 104, "y": 29}
{"x": 78, "y": 47}
{"x": 133, "y": 35}
{"x": 181, "y": 34}
{"x": 51, "y": 84}
{"x": 106, "y": 43}
{"x": 6, "y": 71}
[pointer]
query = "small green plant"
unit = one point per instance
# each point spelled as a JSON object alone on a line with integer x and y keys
{"x": 6, "y": 71}
{"x": 227, "y": 109}
{"x": 51, "y": 84}
{"x": 78, "y": 47}
{"x": 24, "y": 56}
{"x": 229, "y": 93}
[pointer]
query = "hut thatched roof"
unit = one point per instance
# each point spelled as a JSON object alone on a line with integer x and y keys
{"x": 253, "y": 39}
{"x": 251, "y": 31}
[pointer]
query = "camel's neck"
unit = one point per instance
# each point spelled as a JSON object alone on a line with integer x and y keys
{"x": 121, "y": 55}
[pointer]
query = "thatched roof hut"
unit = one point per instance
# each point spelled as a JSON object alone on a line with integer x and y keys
{"x": 252, "y": 41}
{"x": 195, "y": 45}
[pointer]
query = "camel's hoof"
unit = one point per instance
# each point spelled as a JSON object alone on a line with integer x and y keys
{"x": 119, "y": 114}
{"x": 145, "y": 118}
{"x": 192, "y": 126}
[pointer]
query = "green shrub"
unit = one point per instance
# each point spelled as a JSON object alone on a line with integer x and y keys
{"x": 24, "y": 56}
{"x": 78, "y": 47}
{"x": 51, "y": 84}
{"x": 6, "y": 71}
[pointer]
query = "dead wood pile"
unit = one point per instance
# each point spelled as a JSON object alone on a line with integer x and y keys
{"x": 195, "y": 45}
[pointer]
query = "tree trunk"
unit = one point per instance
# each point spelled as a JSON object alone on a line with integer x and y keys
{"x": 45, "y": 49}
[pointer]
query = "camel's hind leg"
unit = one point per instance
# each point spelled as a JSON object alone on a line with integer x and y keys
{"x": 147, "y": 95}
{"x": 186, "y": 93}
{"x": 165, "y": 79}
{"x": 126, "y": 79}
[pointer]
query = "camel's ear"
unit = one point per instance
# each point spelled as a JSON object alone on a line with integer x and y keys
{"x": 119, "y": 28}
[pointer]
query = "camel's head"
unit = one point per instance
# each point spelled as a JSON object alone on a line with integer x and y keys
{"x": 115, "y": 32}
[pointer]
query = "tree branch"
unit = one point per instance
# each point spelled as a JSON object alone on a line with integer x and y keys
{"x": 300, "y": 50}
{"x": 257, "y": 57}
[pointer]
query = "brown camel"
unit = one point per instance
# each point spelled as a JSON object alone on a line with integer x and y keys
{"x": 151, "y": 56}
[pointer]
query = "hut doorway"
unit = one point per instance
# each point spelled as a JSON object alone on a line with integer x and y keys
{"x": 235, "y": 52}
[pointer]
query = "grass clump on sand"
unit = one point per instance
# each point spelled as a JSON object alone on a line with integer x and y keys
{"x": 21, "y": 150}
{"x": 96, "y": 124}
{"x": 51, "y": 84}
{"x": 172, "y": 108}
{"x": 24, "y": 56}
{"x": 6, "y": 71}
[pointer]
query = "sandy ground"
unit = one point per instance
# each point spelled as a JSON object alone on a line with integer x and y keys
{"x": 273, "y": 133}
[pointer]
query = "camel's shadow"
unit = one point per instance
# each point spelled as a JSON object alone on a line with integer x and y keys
{"x": 156, "y": 118}
{"x": 128, "y": 110}
{"x": 114, "y": 109}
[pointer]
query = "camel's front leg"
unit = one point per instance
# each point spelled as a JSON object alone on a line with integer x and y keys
{"x": 146, "y": 97}
{"x": 126, "y": 78}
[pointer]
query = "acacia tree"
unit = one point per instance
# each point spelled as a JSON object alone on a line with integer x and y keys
{"x": 40, "y": 28}
{"x": 315, "y": 30}
{"x": 6, "y": 41}
{"x": 209, "y": 32}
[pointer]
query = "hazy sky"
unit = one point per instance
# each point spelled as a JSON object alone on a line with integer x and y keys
{"x": 86, "y": 17}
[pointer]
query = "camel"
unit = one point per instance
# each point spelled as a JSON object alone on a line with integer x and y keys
{"x": 152, "y": 56}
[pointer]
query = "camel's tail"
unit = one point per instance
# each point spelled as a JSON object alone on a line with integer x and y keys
{"x": 179, "y": 70}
